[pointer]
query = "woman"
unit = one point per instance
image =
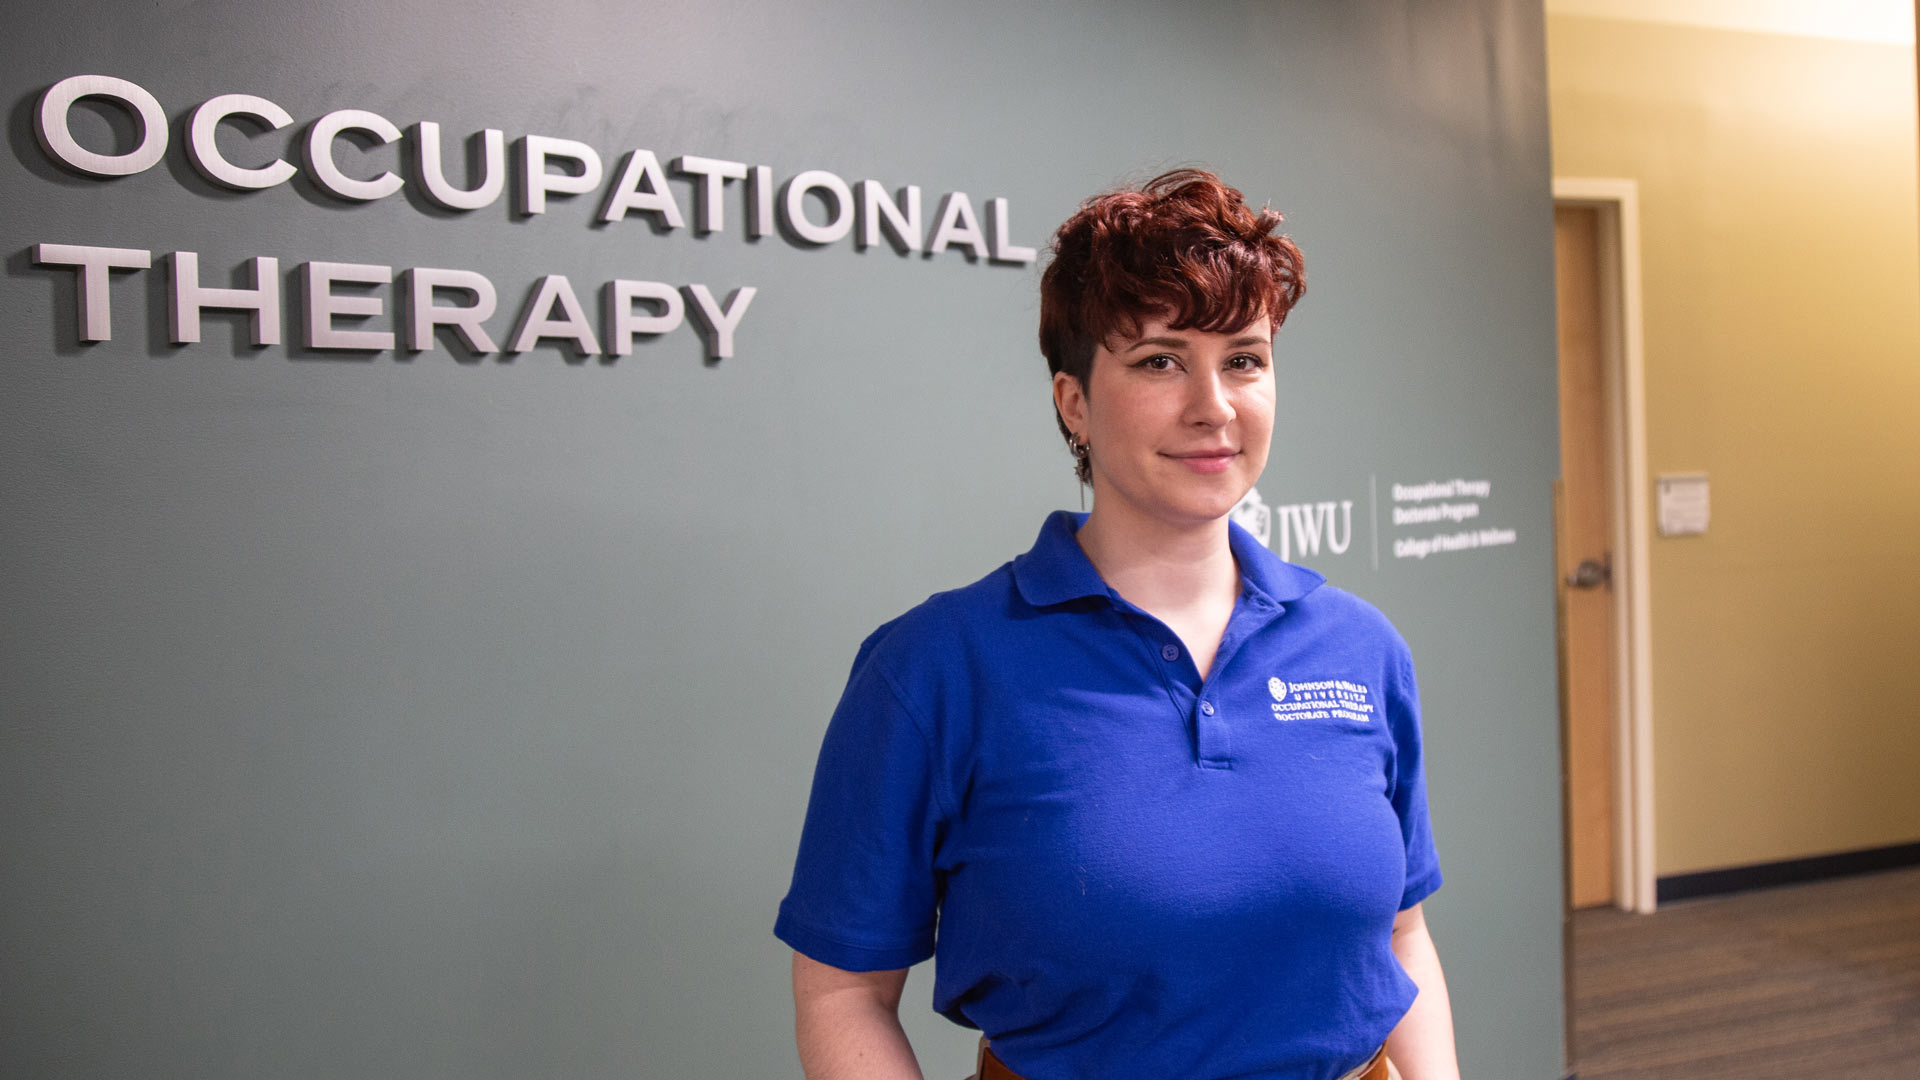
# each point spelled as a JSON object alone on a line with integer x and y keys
{"x": 1159, "y": 790}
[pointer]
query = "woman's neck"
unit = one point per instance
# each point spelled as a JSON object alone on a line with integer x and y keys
{"x": 1161, "y": 566}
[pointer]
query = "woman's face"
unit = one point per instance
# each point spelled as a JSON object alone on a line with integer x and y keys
{"x": 1179, "y": 421}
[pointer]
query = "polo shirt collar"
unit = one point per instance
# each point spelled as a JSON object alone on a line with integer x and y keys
{"x": 1055, "y": 570}
{"x": 1264, "y": 573}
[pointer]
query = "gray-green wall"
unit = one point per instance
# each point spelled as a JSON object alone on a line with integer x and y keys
{"x": 381, "y": 715}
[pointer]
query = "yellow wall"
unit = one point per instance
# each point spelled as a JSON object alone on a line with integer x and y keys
{"x": 1782, "y": 300}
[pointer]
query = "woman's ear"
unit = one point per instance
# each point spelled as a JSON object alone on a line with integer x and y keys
{"x": 1070, "y": 398}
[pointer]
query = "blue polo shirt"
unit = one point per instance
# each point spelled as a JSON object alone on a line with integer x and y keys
{"x": 1122, "y": 868}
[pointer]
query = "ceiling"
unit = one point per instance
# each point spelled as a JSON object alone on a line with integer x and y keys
{"x": 1886, "y": 21}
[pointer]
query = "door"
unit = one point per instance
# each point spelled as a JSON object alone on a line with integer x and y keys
{"x": 1583, "y": 559}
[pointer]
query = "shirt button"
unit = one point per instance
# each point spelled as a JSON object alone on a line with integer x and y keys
{"x": 1207, "y": 707}
{"x": 1170, "y": 652}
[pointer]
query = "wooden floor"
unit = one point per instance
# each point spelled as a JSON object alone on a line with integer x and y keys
{"x": 1804, "y": 982}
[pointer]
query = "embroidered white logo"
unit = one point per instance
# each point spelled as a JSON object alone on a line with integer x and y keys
{"x": 1326, "y": 699}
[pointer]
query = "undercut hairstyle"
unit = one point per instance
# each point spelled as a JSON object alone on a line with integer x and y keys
{"x": 1183, "y": 247}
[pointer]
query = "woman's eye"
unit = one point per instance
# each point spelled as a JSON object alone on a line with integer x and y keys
{"x": 1162, "y": 362}
{"x": 1246, "y": 362}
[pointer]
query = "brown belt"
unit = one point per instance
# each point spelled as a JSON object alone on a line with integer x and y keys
{"x": 990, "y": 1067}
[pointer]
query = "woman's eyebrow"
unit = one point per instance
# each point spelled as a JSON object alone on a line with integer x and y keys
{"x": 1159, "y": 342}
{"x": 1169, "y": 342}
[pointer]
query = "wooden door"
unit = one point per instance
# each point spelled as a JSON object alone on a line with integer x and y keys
{"x": 1583, "y": 559}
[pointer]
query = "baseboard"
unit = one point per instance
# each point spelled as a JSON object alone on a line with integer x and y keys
{"x": 1787, "y": 872}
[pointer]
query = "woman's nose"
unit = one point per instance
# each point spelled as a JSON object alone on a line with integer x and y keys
{"x": 1209, "y": 404}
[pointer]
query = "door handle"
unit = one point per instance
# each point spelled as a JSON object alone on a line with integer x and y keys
{"x": 1592, "y": 573}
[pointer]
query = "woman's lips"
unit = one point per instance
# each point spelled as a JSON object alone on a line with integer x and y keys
{"x": 1207, "y": 463}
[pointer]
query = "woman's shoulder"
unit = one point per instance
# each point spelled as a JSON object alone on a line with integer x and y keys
{"x": 945, "y": 621}
{"x": 1308, "y": 597}
{"x": 1336, "y": 609}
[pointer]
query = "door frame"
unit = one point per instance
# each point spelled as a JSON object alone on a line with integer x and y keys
{"x": 1623, "y": 358}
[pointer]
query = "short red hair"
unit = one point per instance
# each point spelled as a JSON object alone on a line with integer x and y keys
{"x": 1184, "y": 247}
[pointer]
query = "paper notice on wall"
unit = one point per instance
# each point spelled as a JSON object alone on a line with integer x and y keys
{"x": 1683, "y": 504}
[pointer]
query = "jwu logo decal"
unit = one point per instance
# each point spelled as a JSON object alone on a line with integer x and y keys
{"x": 1302, "y": 527}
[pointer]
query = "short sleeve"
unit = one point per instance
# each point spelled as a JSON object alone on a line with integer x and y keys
{"x": 865, "y": 894}
{"x": 1409, "y": 793}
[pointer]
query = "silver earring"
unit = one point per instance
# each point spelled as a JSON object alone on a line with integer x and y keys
{"x": 1082, "y": 466}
